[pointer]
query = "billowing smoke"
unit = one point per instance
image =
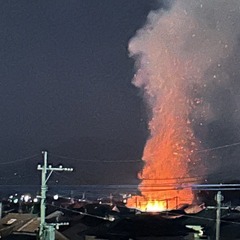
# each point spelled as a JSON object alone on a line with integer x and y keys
{"x": 188, "y": 66}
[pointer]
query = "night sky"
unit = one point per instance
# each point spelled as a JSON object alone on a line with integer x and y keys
{"x": 66, "y": 88}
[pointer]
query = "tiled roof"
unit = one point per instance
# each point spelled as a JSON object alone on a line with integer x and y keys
{"x": 18, "y": 223}
{"x": 14, "y": 221}
{"x": 30, "y": 226}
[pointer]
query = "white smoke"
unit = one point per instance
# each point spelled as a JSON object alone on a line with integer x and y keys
{"x": 192, "y": 46}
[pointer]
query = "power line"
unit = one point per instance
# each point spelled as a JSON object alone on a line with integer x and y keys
{"x": 19, "y": 160}
{"x": 191, "y": 180}
{"x": 18, "y": 176}
{"x": 95, "y": 160}
{"x": 179, "y": 181}
{"x": 166, "y": 184}
{"x": 203, "y": 218}
{"x": 217, "y": 185}
{"x": 80, "y": 213}
{"x": 168, "y": 213}
{"x": 179, "y": 178}
{"x": 215, "y": 189}
{"x": 220, "y": 147}
{"x": 176, "y": 178}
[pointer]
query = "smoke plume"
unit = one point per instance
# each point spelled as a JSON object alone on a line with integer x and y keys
{"x": 188, "y": 67}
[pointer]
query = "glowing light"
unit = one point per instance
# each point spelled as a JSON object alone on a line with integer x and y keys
{"x": 27, "y": 198}
{"x": 55, "y": 197}
{"x": 155, "y": 206}
{"x": 169, "y": 78}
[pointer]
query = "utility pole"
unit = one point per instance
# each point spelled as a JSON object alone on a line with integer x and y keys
{"x": 46, "y": 232}
{"x": 218, "y": 214}
{"x": 0, "y": 210}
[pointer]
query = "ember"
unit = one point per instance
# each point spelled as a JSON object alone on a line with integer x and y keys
{"x": 163, "y": 73}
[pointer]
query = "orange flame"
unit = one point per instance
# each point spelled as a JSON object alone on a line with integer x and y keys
{"x": 169, "y": 74}
{"x": 155, "y": 206}
{"x": 167, "y": 156}
{"x": 169, "y": 152}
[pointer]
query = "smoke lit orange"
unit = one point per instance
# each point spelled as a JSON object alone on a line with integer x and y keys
{"x": 163, "y": 73}
{"x": 167, "y": 154}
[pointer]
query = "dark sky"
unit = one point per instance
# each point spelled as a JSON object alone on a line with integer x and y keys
{"x": 66, "y": 87}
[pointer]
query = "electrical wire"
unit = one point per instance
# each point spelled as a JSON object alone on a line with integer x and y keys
{"x": 80, "y": 213}
{"x": 110, "y": 161}
{"x": 93, "y": 160}
{"x": 215, "y": 189}
{"x": 168, "y": 213}
{"x": 220, "y": 147}
{"x": 167, "y": 184}
{"x": 204, "y": 218}
{"x": 18, "y": 176}
{"x": 176, "y": 178}
{"x": 146, "y": 185}
{"x": 19, "y": 160}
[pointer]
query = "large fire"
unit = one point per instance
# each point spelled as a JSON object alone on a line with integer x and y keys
{"x": 163, "y": 74}
{"x": 155, "y": 206}
{"x": 168, "y": 154}
{"x": 186, "y": 57}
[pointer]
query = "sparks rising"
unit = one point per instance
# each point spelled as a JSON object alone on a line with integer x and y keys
{"x": 167, "y": 74}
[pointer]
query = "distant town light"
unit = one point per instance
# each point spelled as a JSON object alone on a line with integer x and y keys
{"x": 55, "y": 197}
{"x": 111, "y": 218}
{"x": 27, "y": 198}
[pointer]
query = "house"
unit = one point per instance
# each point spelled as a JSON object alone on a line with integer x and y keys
{"x": 22, "y": 226}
